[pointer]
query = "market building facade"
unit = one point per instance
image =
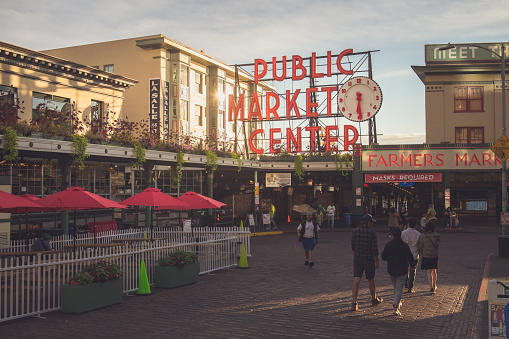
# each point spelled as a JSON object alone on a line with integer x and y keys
{"x": 456, "y": 166}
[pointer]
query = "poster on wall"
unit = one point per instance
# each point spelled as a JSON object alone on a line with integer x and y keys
{"x": 257, "y": 193}
{"x": 186, "y": 223}
{"x": 497, "y": 320}
{"x": 266, "y": 219}
{"x": 278, "y": 179}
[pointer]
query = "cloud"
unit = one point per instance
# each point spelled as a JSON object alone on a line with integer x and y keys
{"x": 400, "y": 139}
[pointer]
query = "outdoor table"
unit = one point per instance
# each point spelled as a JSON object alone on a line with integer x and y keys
{"x": 31, "y": 253}
{"x": 108, "y": 245}
{"x": 30, "y": 277}
{"x": 131, "y": 240}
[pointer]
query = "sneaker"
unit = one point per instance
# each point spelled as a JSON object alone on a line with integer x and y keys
{"x": 376, "y": 301}
{"x": 411, "y": 290}
{"x": 397, "y": 312}
{"x": 432, "y": 291}
{"x": 306, "y": 262}
{"x": 355, "y": 306}
{"x": 311, "y": 264}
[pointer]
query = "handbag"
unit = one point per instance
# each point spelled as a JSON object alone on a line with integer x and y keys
{"x": 436, "y": 247}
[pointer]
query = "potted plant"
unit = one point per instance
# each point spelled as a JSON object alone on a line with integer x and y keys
{"x": 96, "y": 286}
{"x": 177, "y": 269}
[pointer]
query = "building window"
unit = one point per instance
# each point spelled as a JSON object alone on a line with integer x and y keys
{"x": 108, "y": 68}
{"x": 184, "y": 110}
{"x": 8, "y": 104}
{"x": 52, "y": 106}
{"x": 198, "y": 80}
{"x": 198, "y": 110}
{"x": 469, "y": 99}
{"x": 220, "y": 94}
{"x": 8, "y": 95}
{"x": 469, "y": 135}
{"x": 96, "y": 116}
{"x": 174, "y": 108}
{"x": 184, "y": 73}
{"x": 220, "y": 119}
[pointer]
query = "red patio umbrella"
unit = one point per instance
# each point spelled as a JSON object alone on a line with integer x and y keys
{"x": 153, "y": 197}
{"x": 76, "y": 198}
{"x": 197, "y": 201}
{"x": 10, "y": 203}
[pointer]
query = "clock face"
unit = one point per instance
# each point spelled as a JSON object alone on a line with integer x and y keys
{"x": 359, "y": 99}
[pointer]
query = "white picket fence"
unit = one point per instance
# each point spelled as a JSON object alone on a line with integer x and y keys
{"x": 30, "y": 284}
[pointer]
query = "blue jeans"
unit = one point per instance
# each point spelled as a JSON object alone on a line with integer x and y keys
{"x": 331, "y": 220}
{"x": 398, "y": 282}
{"x": 411, "y": 274}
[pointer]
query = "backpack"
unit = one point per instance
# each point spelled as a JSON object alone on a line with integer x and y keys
{"x": 303, "y": 228}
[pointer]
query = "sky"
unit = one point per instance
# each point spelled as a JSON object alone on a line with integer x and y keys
{"x": 238, "y": 32}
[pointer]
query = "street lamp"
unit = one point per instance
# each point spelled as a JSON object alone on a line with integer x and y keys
{"x": 501, "y": 56}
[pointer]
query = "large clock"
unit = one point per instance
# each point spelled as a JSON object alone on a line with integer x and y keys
{"x": 359, "y": 99}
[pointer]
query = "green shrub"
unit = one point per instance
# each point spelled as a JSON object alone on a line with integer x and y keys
{"x": 99, "y": 272}
{"x": 179, "y": 258}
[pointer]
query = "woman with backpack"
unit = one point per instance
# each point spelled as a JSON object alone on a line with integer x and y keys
{"x": 308, "y": 234}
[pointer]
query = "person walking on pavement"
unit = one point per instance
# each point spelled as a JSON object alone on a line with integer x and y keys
{"x": 431, "y": 214}
{"x": 365, "y": 259}
{"x": 272, "y": 213}
{"x": 320, "y": 214}
{"x": 398, "y": 256}
{"x": 411, "y": 237}
{"x": 308, "y": 233}
{"x": 331, "y": 212}
{"x": 428, "y": 250}
{"x": 403, "y": 216}
{"x": 393, "y": 219}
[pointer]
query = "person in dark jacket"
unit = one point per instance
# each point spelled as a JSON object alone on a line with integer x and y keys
{"x": 42, "y": 244}
{"x": 398, "y": 256}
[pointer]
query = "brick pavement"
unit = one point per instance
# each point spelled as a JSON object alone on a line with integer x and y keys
{"x": 280, "y": 297}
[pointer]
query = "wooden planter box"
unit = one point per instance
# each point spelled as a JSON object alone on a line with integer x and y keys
{"x": 83, "y": 298}
{"x": 170, "y": 276}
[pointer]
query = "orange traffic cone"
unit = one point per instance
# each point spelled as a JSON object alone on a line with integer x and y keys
{"x": 288, "y": 218}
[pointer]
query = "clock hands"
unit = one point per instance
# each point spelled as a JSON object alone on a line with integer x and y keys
{"x": 359, "y": 110}
{"x": 368, "y": 95}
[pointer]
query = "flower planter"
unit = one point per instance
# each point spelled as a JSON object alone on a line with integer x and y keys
{"x": 171, "y": 276}
{"x": 83, "y": 298}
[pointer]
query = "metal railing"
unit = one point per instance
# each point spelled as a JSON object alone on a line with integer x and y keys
{"x": 30, "y": 284}
{"x": 173, "y": 234}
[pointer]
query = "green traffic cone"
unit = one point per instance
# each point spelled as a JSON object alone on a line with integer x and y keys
{"x": 241, "y": 225}
{"x": 143, "y": 286}
{"x": 243, "y": 258}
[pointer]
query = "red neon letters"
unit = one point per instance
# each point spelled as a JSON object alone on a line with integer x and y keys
{"x": 299, "y": 71}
